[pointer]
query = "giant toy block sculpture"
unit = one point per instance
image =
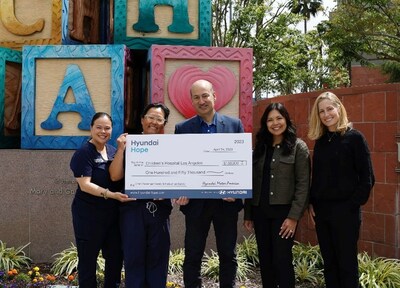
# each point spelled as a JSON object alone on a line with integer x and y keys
{"x": 173, "y": 70}
{"x": 30, "y": 22}
{"x": 87, "y": 21}
{"x": 141, "y": 23}
{"x": 10, "y": 98}
{"x": 64, "y": 86}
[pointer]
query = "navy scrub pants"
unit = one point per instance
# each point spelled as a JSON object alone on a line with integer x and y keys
{"x": 146, "y": 244}
{"x": 97, "y": 229}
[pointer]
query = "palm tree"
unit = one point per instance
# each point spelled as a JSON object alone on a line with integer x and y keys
{"x": 306, "y": 8}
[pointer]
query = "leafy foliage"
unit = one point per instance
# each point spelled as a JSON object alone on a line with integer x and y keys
{"x": 66, "y": 262}
{"x": 378, "y": 272}
{"x": 176, "y": 259}
{"x": 244, "y": 267}
{"x": 364, "y": 31}
{"x": 306, "y": 8}
{"x": 11, "y": 258}
{"x": 308, "y": 264}
{"x": 210, "y": 265}
{"x": 248, "y": 250}
{"x": 285, "y": 60}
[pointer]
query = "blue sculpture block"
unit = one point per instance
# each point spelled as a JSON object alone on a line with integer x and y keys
{"x": 7, "y": 139}
{"x": 190, "y": 23}
{"x": 64, "y": 86}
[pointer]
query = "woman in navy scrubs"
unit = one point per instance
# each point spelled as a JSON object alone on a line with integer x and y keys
{"x": 144, "y": 222}
{"x": 95, "y": 208}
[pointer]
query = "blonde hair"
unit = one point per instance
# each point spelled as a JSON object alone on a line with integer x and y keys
{"x": 316, "y": 127}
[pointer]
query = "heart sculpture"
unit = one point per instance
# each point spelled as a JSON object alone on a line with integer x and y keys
{"x": 222, "y": 79}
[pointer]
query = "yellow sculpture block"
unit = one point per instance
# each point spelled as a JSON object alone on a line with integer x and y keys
{"x": 30, "y": 22}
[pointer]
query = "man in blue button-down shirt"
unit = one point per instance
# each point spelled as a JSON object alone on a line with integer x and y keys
{"x": 199, "y": 213}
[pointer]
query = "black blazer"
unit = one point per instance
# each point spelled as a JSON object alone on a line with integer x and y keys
{"x": 225, "y": 124}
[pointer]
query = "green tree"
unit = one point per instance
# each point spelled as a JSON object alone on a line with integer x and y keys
{"x": 285, "y": 60}
{"x": 305, "y": 8}
{"x": 365, "y": 29}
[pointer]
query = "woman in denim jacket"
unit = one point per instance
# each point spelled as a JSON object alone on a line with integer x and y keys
{"x": 281, "y": 177}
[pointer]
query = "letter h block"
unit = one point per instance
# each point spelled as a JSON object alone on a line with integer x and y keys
{"x": 30, "y": 22}
{"x": 10, "y": 98}
{"x": 87, "y": 21}
{"x": 230, "y": 70}
{"x": 64, "y": 86}
{"x": 141, "y": 23}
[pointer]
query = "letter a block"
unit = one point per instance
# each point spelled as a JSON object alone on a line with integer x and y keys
{"x": 141, "y": 23}
{"x": 230, "y": 70}
{"x": 30, "y": 22}
{"x": 64, "y": 86}
{"x": 10, "y": 98}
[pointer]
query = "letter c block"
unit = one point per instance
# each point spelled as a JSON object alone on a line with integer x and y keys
{"x": 30, "y": 22}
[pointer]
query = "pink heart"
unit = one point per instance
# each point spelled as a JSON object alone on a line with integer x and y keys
{"x": 223, "y": 80}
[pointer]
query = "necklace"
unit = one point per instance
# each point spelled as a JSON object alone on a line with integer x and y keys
{"x": 330, "y": 136}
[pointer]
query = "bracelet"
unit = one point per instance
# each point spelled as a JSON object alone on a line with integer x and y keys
{"x": 104, "y": 194}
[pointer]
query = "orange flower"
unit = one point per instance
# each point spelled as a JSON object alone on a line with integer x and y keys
{"x": 71, "y": 277}
{"x": 14, "y": 271}
{"x": 50, "y": 278}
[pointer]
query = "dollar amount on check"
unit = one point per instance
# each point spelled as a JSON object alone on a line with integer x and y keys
{"x": 192, "y": 165}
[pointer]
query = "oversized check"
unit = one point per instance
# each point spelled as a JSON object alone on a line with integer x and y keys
{"x": 193, "y": 165}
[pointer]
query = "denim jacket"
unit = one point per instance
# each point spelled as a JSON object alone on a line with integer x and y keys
{"x": 289, "y": 180}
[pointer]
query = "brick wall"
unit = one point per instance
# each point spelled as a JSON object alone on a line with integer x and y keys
{"x": 375, "y": 111}
{"x": 361, "y": 75}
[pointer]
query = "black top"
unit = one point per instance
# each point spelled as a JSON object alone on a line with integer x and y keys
{"x": 88, "y": 162}
{"x": 342, "y": 168}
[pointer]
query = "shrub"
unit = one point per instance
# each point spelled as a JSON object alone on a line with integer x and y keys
{"x": 210, "y": 265}
{"x": 379, "y": 272}
{"x": 66, "y": 262}
{"x": 244, "y": 267}
{"x": 176, "y": 259}
{"x": 11, "y": 257}
{"x": 23, "y": 279}
{"x": 308, "y": 264}
{"x": 248, "y": 249}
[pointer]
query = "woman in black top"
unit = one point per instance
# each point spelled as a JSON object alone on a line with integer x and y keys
{"x": 342, "y": 178}
{"x": 95, "y": 206}
{"x": 144, "y": 222}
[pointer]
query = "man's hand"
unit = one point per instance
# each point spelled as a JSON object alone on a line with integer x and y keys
{"x": 183, "y": 200}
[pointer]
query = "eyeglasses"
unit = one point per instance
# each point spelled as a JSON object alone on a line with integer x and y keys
{"x": 152, "y": 118}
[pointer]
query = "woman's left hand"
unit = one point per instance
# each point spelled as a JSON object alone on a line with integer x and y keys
{"x": 121, "y": 197}
{"x": 288, "y": 228}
